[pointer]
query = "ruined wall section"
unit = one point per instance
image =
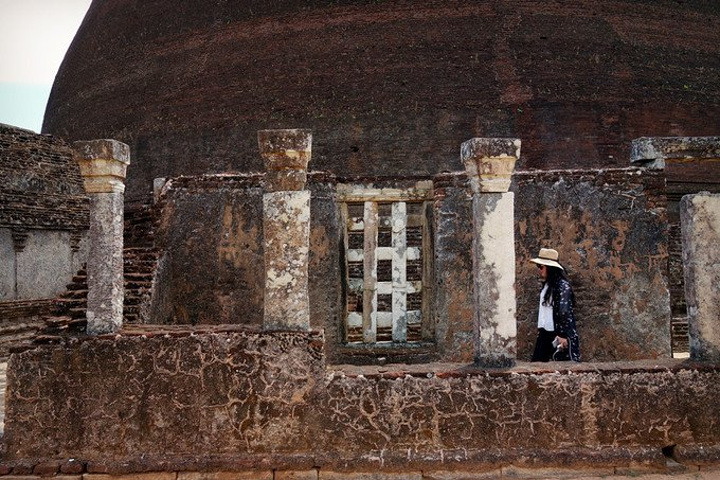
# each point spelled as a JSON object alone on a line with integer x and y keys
{"x": 42, "y": 187}
{"x": 242, "y": 400}
{"x": 43, "y": 227}
{"x": 211, "y": 268}
{"x": 453, "y": 308}
{"x": 610, "y": 228}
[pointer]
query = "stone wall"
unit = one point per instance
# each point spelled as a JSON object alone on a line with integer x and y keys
{"x": 610, "y": 228}
{"x": 43, "y": 215}
{"x": 211, "y": 269}
{"x": 237, "y": 399}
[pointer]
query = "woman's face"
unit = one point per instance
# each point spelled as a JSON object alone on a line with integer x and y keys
{"x": 542, "y": 271}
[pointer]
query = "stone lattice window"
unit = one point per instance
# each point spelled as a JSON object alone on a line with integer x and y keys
{"x": 386, "y": 245}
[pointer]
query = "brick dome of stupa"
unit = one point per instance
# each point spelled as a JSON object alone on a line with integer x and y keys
{"x": 387, "y": 87}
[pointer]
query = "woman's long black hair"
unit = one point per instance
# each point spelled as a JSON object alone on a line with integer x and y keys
{"x": 554, "y": 275}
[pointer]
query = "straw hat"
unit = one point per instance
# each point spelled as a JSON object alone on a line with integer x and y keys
{"x": 548, "y": 257}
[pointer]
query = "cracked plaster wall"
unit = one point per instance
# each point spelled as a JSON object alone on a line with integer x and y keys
{"x": 269, "y": 399}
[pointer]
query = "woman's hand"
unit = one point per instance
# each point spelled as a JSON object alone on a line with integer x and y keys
{"x": 562, "y": 342}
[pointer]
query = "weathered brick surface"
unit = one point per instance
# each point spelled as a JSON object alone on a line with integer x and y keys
{"x": 452, "y": 263}
{"x": 610, "y": 228}
{"x": 139, "y": 476}
{"x": 72, "y": 466}
{"x": 41, "y": 185}
{"x": 251, "y": 367}
{"x": 405, "y": 475}
{"x": 211, "y": 268}
{"x": 296, "y": 475}
{"x": 387, "y": 87}
{"x": 20, "y": 320}
{"x": 46, "y": 469}
{"x": 241, "y": 400}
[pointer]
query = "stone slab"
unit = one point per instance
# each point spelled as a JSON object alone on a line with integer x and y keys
{"x": 407, "y": 475}
{"x": 44, "y": 266}
{"x": 534, "y": 473}
{"x": 654, "y": 151}
{"x": 462, "y": 474}
{"x": 133, "y": 476}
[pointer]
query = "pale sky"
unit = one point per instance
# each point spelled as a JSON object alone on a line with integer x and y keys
{"x": 34, "y": 36}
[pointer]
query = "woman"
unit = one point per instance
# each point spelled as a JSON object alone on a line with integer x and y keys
{"x": 557, "y": 333}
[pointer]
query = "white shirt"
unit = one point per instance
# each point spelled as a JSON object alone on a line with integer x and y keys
{"x": 545, "y": 313}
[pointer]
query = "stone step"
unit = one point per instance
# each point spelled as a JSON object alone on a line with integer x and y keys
{"x": 70, "y": 309}
{"x": 133, "y": 287}
{"x": 68, "y": 303}
{"x": 57, "y": 321}
{"x": 139, "y": 267}
{"x": 132, "y": 300}
{"x": 78, "y": 313}
{"x": 141, "y": 252}
{"x": 75, "y": 294}
{"x": 138, "y": 276}
{"x": 140, "y": 258}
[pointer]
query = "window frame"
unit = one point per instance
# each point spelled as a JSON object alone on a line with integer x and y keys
{"x": 371, "y": 197}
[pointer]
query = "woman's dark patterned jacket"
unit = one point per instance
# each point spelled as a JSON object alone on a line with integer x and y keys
{"x": 564, "y": 317}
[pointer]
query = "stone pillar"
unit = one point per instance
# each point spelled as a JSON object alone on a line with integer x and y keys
{"x": 700, "y": 223}
{"x": 489, "y": 163}
{"x": 286, "y": 228}
{"x": 103, "y": 164}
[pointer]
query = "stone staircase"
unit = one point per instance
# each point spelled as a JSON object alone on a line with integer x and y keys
{"x": 140, "y": 259}
{"x": 139, "y": 268}
{"x": 680, "y": 338}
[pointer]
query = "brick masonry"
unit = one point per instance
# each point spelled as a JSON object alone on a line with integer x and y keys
{"x": 43, "y": 226}
{"x": 41, "y": 187}
{"x": 389, "y": 88}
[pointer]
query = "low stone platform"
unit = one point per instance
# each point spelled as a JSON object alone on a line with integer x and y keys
{"x": 222, "y": 399}
{"x": 317, "y": 474}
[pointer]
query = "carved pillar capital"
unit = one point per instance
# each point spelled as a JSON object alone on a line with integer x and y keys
{"x": 103, "y": 165}
{"x": 286, "y": 154}
{"x": 490, "y": 163}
